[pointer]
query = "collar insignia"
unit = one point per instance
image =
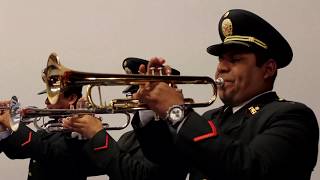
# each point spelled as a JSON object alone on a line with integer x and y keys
{"x": 253, "y": 110}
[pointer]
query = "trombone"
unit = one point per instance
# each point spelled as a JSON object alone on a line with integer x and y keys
{"x": 57, "y": 77}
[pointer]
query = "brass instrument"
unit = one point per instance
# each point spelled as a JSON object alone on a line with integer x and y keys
{"x": 57, "y": 77}
{"x": 34, "y": 115}
{"x": 14, "y": 109}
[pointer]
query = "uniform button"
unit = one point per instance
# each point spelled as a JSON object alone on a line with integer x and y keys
{"x": 29, "y": 174}
{"x": 34, "y": 161}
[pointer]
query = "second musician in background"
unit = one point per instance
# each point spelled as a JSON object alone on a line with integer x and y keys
{"x": 124, "y": 159}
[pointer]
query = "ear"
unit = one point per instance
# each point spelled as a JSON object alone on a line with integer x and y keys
{"x": 72, "y": 99}
{"x": 270, "y": 68}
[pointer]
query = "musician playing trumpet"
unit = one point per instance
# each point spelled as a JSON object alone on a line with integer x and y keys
{"x": 255, "y": 135}
{"x": 53, "y": 154}
{"x": 123, "y": 160}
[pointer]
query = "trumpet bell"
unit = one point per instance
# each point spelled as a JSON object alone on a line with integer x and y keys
{"x": 53, "y": 77}
{"x": 15, "y": 113}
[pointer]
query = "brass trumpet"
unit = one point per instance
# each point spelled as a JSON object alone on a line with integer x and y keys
{"x": 57, "y": 77}
{"x": 33, "y": 115}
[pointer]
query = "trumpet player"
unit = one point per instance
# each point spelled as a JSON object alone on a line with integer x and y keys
{"x": 124, "y": 159}
{"x": 53, "y": 155}
{"x": 256, "y": 134}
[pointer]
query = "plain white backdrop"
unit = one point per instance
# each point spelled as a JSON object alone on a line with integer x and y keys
{"x": 96, "y": 35}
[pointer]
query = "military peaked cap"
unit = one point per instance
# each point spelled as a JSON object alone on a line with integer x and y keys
{"x": 239, "y": 27}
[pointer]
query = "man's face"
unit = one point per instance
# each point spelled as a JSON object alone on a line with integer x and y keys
{"x": 62, "y": 103}
{"x": 242, "y": 78}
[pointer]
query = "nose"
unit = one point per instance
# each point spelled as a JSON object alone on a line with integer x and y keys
{"x": 223, "y": 66}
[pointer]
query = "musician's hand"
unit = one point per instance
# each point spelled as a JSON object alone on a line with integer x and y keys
{"x": 155, "y": 67}
{"x": 83, "y": 103}
{"x": 86, "y": 125}
{"x": 5, "y": 116}
{"x": 158, "y": 96}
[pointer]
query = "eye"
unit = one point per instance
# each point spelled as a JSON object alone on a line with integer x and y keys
{"x": 235, "y": 59}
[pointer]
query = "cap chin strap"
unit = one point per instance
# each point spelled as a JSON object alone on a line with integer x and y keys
{"x": 246, "y": 39}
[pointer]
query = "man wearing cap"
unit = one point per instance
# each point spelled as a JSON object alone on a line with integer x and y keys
{"x": 53, "y": 155}
{"x": 255, "y": 135}
{"x": 124, "y": 159}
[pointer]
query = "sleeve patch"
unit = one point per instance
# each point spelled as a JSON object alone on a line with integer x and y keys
{"x": 28, "y": 140}
{"x": 213, "y": 133}
{"x": 104, "y": 146}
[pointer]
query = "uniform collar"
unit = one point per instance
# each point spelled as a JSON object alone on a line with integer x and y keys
{"x": 236, "y": 108}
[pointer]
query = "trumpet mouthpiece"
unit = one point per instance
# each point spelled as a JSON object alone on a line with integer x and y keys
{"x": 219, "y": 82}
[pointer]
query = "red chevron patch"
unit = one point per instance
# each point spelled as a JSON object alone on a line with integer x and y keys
{"x": 104, "y": 146}
{"x": 28, "y": 140}
{"x": 213, "y": 133}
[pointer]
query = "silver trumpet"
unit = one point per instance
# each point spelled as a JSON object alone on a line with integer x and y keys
{"x": 14, "y": 109}
{"x": 34, "y": 115}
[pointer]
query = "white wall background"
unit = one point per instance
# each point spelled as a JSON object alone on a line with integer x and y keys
{"x": 96, "y": 35}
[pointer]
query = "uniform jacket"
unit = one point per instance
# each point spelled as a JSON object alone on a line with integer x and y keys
{"x": 53, "y": 155}
{"x": 124, "y": 160}
{"x": 267, "y": 139}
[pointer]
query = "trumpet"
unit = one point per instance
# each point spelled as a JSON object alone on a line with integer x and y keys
{"x": 57, "y": 77}
{"x": 14, "y": 109}
{"x": 33, "y": 115}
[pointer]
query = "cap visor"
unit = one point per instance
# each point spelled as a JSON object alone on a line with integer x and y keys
{"x": 131, "y": 66}
{"x": 42, "y": 92}
{"x": 131, "y": 89}
{"x": 219, "y": 49}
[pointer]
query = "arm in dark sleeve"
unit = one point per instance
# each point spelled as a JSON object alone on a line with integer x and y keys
{"x": 22, "y": 143}
{"x": 283, "y": 143}
{"x": 156, "y": 139}
{"x": 40, "y": 145}
{"x": 125, "y": 163}
{"x": 3, "y": 135}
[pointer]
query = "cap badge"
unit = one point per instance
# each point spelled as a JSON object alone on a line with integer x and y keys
{"x": 226, "y": 27}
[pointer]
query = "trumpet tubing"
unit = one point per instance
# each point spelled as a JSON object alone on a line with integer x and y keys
{"x": 33, "y": 114}
{"x": 58, "y": 77}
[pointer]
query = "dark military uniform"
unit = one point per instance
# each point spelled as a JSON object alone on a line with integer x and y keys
{"x": 266, "y": 139}
{"x": 125, "y": 160}
{"x": 53, "y": 155}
